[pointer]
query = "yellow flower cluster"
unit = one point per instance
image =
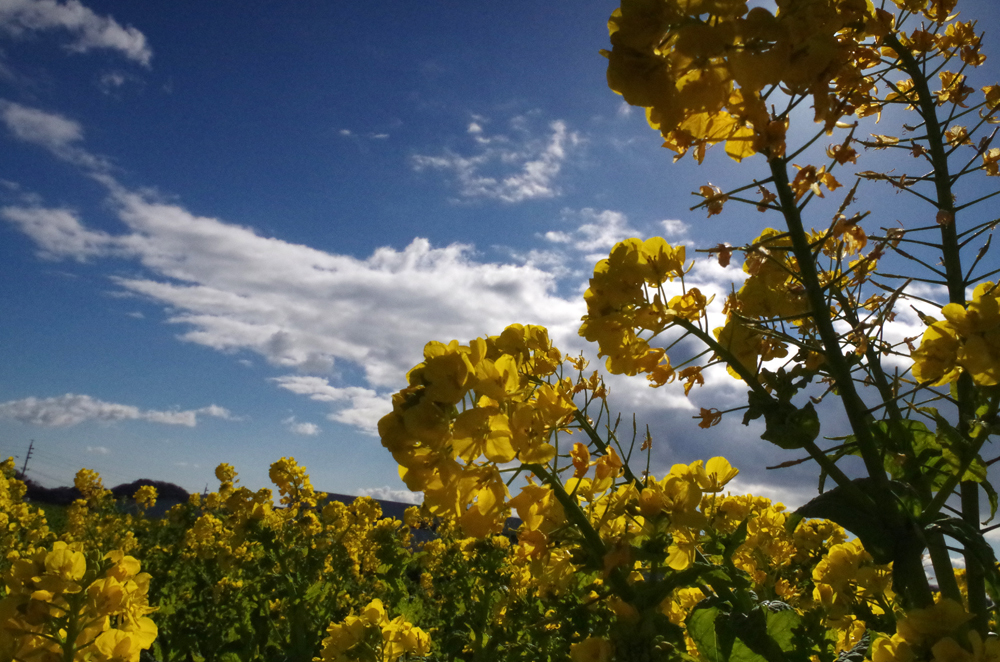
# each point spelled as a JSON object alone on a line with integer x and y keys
{"x": 626, "y": 298}
{"x": 968, "y": 339}
{"x": 703, "y": 69}
{"x": 373, "y": 636}
{"x": 59, "y": 606}
{"x": 699, "y": 67}
{"x": 847, "y": 577}
{"x": 23, "y": 528}
{"x": 469, "y": 407}
{"x": 95, "y": 519}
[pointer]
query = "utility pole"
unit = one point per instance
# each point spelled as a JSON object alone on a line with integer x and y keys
{"x": 26, "y": 458}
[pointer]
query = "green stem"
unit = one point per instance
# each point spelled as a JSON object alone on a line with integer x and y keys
{"x": 943, "y": 569}
{"x": 592, "y": 539}
{"x": 908, "y": 568}
{"x": 951, "y": 251}
{"x": 975, "y": 574}
{"x": 837, "y": 365}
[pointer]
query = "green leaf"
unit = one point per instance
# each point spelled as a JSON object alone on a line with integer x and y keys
{"x": 754, "y": 642}
{"x": 785, "y": 425}
{"x": 702, "y": 626}
{"x": 781, "y": 625}
{"x": 315, "y": 590}
{"x": 992, "y": 494}
{"x": 764, "y": 634}
{"x": 735, "y": 540}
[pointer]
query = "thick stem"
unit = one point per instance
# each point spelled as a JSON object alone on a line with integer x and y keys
{"x": 943, "y": 569}
{"x": 951, "y": 252}
{"x": 908, "y": 571}
{"x": 975, "y": 575}
{"x": 837, "y": 365}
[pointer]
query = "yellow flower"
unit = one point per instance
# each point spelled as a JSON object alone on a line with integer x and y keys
{"x": 117, "y": 646}
{"x": 581, "y": 459}
{"x": 742, "y": 342}
{"x": 65, "y": 562}
{"x": 713, "y": 476}
{"x": 936, "y": 360}
{"x": 923, "y": 626}
{"x": 225, "y": 473}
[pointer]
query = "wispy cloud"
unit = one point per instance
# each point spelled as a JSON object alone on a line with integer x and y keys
{"x": 52, "y": 131}
{"x": 72, "y": 409}
{"x": 235, "y": 289}
{"x": 504, "y": 168}
{"x": 353, "y": 405}
{"x": 59, "y": 233}
{"x": 90, "y": 31}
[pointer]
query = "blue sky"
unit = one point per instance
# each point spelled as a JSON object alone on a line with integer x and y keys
{"x": 228, "y": 229}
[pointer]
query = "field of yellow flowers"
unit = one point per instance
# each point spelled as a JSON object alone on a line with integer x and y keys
{"x": 236, "y": 575}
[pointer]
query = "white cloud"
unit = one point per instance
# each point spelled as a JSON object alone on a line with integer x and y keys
{"x": 305, "y": 429}
{"x": 526, "y": 168}
{"x": 59, "y": 233}
{"x": 600, "y": 231}
{"x": 37, "y": 126}
{"x": 111, "y": 80}
{"x": 356, "y": 406}
{"x": 390, "y": 494}
{"x": 72, "y": 409}
{"x": 558, "y": 237}
{"x": 52, "y": 131}
{"x": 99, "y": 450}
{"x": 91, "y": 31}
{"x": 674, "y": 228}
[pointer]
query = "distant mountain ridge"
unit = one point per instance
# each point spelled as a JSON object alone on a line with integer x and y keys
{"x": 168, "y": 493}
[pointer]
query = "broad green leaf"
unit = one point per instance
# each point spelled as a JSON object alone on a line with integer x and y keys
{"x": 781, "y": 625}
{"x": 753, "y": 640}
{"x": 701, "y": 625}
{"x": 785, "y": 425}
